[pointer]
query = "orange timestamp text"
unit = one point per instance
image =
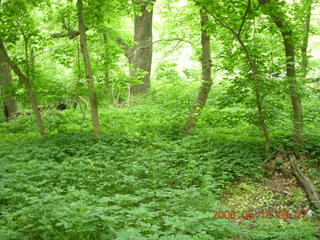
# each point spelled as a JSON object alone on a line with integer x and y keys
{"x": 264, "y": 214}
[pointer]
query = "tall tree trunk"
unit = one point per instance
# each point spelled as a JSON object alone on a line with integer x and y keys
{"x": 76, "y": 82}
{"x": 142, "y": 58}
{"x": 279, "y": 19}
{"x": 206, "y": 74}
{"x": 25, "y": 80}
{"x": 106, "y": 64}
{"x": 253, "y": 68}
{"x": 26, "y": 56}
{"x": 304, "y": 48}
{"x": 89, "y": 76}
{"x": 9, "y": 103}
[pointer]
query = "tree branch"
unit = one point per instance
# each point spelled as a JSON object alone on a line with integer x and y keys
{"x": 244, "y": 17}
{"x": 223, "y": 24}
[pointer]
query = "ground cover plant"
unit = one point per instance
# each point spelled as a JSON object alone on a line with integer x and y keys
{"x": 165, "y": 119}
{"x": 141, "y": 180}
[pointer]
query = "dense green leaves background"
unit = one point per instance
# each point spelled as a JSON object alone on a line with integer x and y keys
{"x": 146, "y": 178}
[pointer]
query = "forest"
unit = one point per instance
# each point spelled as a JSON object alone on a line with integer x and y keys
{"x": 159, "y": 119}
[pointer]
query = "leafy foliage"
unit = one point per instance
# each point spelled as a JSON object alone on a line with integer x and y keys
{"x": 146, "y": 178}
{"x": 143, "y": 180}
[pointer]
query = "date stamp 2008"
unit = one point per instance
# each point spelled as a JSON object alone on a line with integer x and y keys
{"x": 262, "y": 214}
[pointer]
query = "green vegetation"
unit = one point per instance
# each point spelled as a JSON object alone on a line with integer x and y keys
{"x": 109, "y": 132}
{"x": 144, "y": 179}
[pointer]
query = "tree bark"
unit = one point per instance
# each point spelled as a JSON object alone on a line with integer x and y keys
{"x": 206, "y": 64}
{"x": 89, "y": 76}
{"x": 278, "y": 17}
{"x": 25, "y": 80}
{"x": 304, "y": 48}
{"x": 142, "y": 58}
{"x": 9, "y": 103}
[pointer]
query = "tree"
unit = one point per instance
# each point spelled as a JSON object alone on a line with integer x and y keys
{"x": 26, "y": 81}
{"x": 278, "y": 16}
{"x": 237, "y": 33}
{"x": 206, "y": 74}
{"x": 305, "y": 40}
{"x": 142, "y": 51}
{"x": 86, "y": 59}
{"x": 9, "y": 103}
{"x": 10, "y": 27}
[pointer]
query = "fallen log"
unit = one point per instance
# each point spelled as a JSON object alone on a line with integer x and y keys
{"x": 305, "y": 183}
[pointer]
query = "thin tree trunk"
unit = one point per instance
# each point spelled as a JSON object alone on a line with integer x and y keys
{"x": 106, "y": 64}
{"x": 9, "y": 103}
{"x": 142, "y": 58}
{"x": 278, "y": 17}
{"x": 206, "y": 74}
{"x": 32, "y": 65}
{"x": 76, "y": 82}
{"x": 26, "y": 56}
{"x": 257, "y": 92}
{"x": 89, "y": 76}
{"x": 304, "y": 48}
{"x": 295, "y": 98}
{"x": 25, "y": 80}
{"x": 253, "y": 69}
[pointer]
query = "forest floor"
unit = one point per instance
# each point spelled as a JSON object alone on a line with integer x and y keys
{"x": 275, "y": 194}
{"x": 145, "y": 179}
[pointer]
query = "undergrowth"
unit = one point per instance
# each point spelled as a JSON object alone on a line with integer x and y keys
{"x": 144, "y": 179}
